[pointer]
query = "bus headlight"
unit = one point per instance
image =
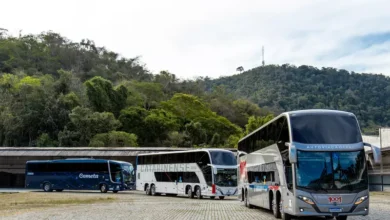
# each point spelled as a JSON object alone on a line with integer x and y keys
{"x": 360, "y": 200}
{"x": 306, "y": 199}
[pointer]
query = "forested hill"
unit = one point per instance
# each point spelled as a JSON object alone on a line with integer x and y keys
{"x": 56, "y": 92}
{"x": 286, "y": 87}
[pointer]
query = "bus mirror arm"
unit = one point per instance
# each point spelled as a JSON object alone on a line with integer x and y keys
{"x": 292, "y": 153}
{"x": 376, "y": 153}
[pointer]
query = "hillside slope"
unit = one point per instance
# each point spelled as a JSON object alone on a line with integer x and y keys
{"x": 286, "y": 87}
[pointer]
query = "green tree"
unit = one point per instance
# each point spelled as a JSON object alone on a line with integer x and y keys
{"x": 256, "y": 122}
{"x": 133, "y": 121}
{"x": 114, "y": 139}
{"x": 88, "y": 123}
{"x": 159, "y": 124}
{"x": 103, "y": 97}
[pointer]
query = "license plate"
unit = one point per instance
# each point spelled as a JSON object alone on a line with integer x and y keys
{"x": 335, "y": 210}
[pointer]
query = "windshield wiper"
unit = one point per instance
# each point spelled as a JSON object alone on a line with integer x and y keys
{"x": 320, "y": 187}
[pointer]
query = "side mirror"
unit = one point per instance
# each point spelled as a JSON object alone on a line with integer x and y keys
{"x": 292, "y": 152}
{"x": 376, "y": 152}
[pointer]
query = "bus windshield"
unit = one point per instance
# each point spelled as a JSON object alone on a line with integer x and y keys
{"x": 116, "y": 172}
{"x": 331, "y": 170}
{"x": 325, "y": 129}
{"x": 223, "y": 158}
{"x": 128, "y": 175}
{"x": 226, "y": 177}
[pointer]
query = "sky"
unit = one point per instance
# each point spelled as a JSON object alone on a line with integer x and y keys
{"x": 214, "y": 37}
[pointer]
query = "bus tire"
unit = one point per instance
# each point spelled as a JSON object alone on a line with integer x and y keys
{"x": 286, "y": 216}
{"x": 153, "y": 190}
{"x": 47, "y": 187}
{"x": 276, "y": 206}
{"x": 198, "y": 192}
{"x": 246, "y": 200}
{"x": 147, "y": 190}
{"x": 342, "y": 217}
{"x": 189, "y": 193}
{"x": 59, "y": 190}
{"x": 212, "y": 197}
{"x": 115, "y": 191}
{"x": 222, "y": 197}
{"x": 103, "y": 188}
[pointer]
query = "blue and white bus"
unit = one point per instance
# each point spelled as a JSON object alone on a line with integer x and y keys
{"x": 79, "y": 174}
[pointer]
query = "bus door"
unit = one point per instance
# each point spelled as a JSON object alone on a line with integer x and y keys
{"x": 116, "y": 175}
{"x": 258, "y": 188}
{"x": 180, "y": 185}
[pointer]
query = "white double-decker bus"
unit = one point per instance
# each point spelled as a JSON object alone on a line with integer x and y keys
{"x": 307, "y": 163}
{"x": 194, "y": 173}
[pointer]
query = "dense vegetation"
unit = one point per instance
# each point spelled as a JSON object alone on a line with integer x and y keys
{"x": 55, "y": 92}
{"x": 286, "y": 87}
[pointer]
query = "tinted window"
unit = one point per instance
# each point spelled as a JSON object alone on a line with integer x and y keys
{"x": 223, "y": 158}
{"x": 207, "y": 173}
{"x": 115, "y": 169}
{"x": 186, "y": 177}
{"x": 276, "y": 132}
{"x": 67, "y": 167}
{"x": 332, "y": 170}
{"x": 325, "y": 129}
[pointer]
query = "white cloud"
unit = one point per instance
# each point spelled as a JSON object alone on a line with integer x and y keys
{"x": 212, "y": 38}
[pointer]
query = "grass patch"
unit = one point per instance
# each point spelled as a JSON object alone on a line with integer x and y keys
{"x": 18, "y": 202}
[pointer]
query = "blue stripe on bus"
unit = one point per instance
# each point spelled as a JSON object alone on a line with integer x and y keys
{"x": 252, "y": 186}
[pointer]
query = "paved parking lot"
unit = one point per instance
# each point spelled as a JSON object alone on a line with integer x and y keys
{"x": 136, "y": 205}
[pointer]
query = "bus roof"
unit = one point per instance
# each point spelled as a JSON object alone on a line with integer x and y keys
{"x": 300, "y": 112}
{"x": 187, "y": 151}
{"x": 318, "y": 111}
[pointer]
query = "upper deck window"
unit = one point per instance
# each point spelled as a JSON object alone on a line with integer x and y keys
{"x": 325, "y": 129}
{"x": 223, "y": 158}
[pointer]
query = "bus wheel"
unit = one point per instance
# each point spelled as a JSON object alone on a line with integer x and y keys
{"x": 189, "y": 193}
{"x": 115, "y": 191}
{"x": 103, "y": 188}
{"x": 59, "y": 190}
{"x": 153, "y": 190}
{"x": 47, "y": 187}
{"x": 276, "y": 207}
{"x": 342, "y": 218}
{"x": 246, "y": 200}
{"x": 221, "y": 197}
{"x": 212, "y": 197}
{"x": 147, "y": 191}
{"x": 198, "y": 192}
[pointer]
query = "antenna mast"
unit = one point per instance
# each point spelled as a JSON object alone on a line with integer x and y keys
{"x": 262, "y": 52}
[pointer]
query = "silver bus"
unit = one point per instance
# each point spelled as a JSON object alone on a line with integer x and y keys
{"x": 306, "y": 163}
